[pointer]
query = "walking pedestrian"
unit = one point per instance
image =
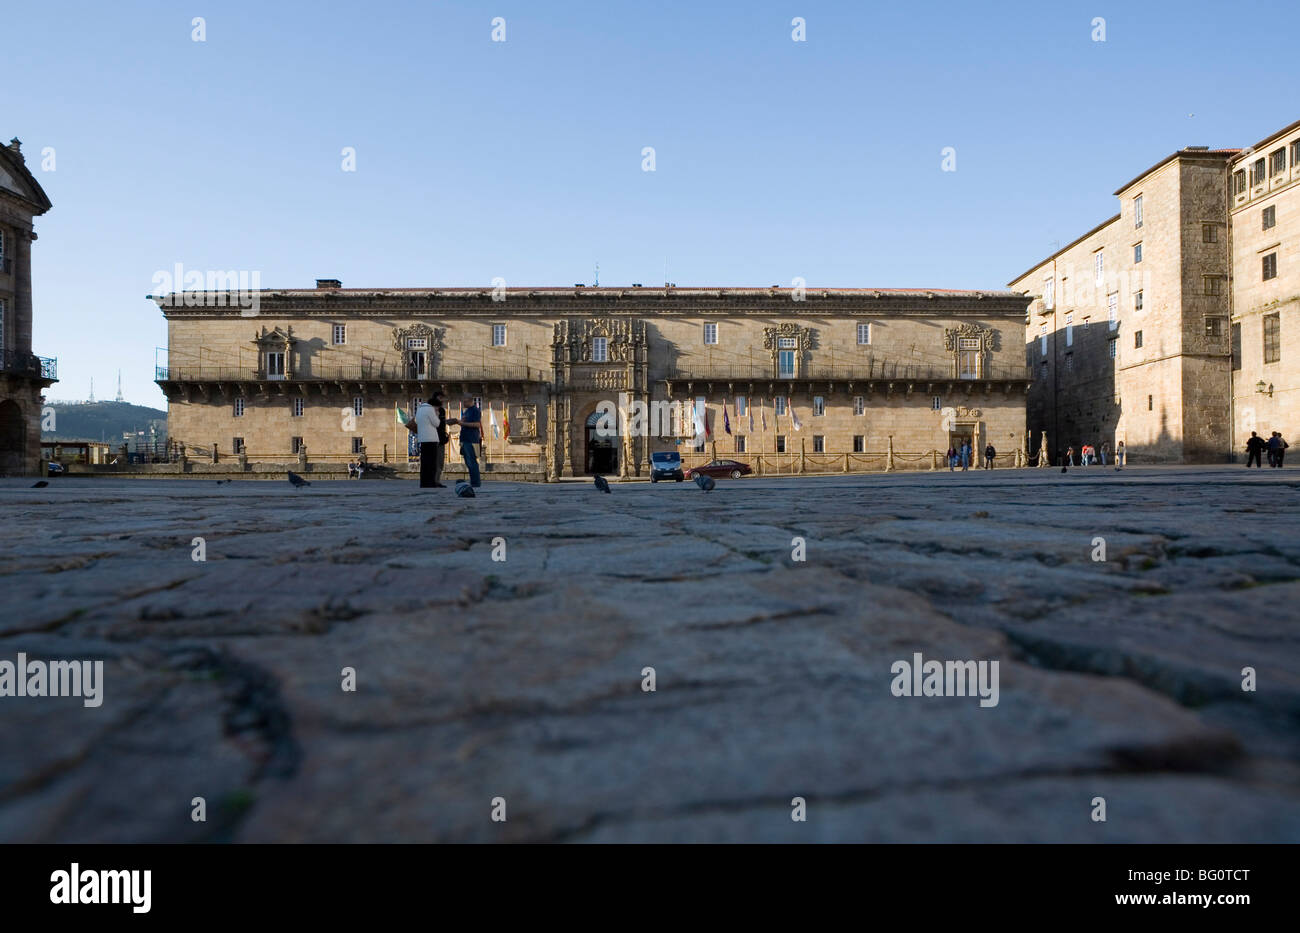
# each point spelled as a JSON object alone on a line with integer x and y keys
{"x": 1254, "y": 450}
{"x": 1069, "y": 457}
{"x": 1119, "y": 456}
{"x": 426, "y": 425}
{"x": 989, "y": 454}
{"x": 1271, "y": 446}
{"x": 471, "y": 433}
{"x": 1282, "y": 445}
{"x": 1105, "y": 449}
{"x": 952, "y": 459}
{"x": 965, "y": 456}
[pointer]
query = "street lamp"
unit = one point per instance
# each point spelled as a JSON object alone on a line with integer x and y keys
{"x": 1264, "y": 389}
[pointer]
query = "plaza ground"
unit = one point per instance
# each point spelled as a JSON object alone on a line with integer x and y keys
{"x": 522, "y": 679}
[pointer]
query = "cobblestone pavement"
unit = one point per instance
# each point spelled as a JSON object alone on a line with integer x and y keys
{"x": 523, "y": 679}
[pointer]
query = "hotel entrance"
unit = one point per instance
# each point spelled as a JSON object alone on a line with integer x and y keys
{"x": 602, "y": 452}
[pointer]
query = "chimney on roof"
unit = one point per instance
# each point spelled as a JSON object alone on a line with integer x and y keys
{"x": 328, "y": 283}
{"x": 1198, "y": 148}
{"x": 16, "y": 147}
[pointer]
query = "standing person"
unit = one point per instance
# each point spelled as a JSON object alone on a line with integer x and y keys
{"x": 952, "y": 459}
{"x": 1272, "y": 448}
{"x": 1282, "y": 445}
{"x": 440, "y": 454}
{"x": 1119, "y": 456}
{"x": 965, "y": 455}
{"x": 471, "y": 433}
{"x": 1105, "y": 449}
{"x": 426, "y": 423}
{"x": 989, "y": 454}
{"x": 1069, "y": 456}
{"x": 1254, "y": 450}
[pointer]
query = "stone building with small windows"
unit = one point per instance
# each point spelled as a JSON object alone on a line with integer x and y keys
{"x": 858, "y": 369}
{"x": 1166, "y": 326}
{"x": 23, "y": 375}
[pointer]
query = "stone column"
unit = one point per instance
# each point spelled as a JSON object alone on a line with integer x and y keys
{"x": 889, "y": 458}
{"x": 1042, "y": 450}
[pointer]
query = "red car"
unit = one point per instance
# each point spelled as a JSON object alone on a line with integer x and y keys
{"x": 719, "y": 469}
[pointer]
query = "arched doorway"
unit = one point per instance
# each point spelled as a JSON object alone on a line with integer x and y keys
{"x": 602, "y": 452}
{"x": 13, "y": 438}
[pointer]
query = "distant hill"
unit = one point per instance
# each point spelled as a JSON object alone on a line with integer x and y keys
{"x": 103, "y": 421}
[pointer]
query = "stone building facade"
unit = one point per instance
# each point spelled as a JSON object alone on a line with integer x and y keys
{"x": 23, "y": 376}
{"x": 325, "y": 368}
{"x": 1173, "y": 325}
{"x": 1128, "y": 329}
{"x": 1265, "y": 233}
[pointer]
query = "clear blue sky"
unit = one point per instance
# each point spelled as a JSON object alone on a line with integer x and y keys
{"x": 522, "y": 159}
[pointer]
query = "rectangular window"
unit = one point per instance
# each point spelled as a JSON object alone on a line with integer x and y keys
{"x": 1295, "y": 153}
{"x": 740, "y": 443}
{"x": 936, "y": 402}
{"x": 2, "y": 324}
{"x": 1270, "y": 266}
{"x": 1112, "y": 310}
{"x": 295, "y": 444}
{"x": 859, "y": 443}
{"x": 1137, "y": 211}
{"x": 780, "y": 443}
{"x": 1042, "y": 371}
{"x": 1269, "y": 215}
{"x": 417, "y": 343}
{"x": 710, "y": 334}
{"x": 1272, "y": 338}
{"x": 859, "y": 405}
{"x": 968, "y": 358}
{"x": 1085, "y": 323}
{"x": 358, "y": 405}
{"x": 1257, "y": 173}
{"x": 1111, "y": 348}
{"x": 819, "y": 406}
{"x": 1239, "y": 181}
{"x": 1137, "y": 339}
{"x": 1137, "y": 301}
{"x": 787, "y": 343}
{"x": 1049, "y": 294}
{"x": 498, "y": 335}
{"x": 1069, "y": 362}
{"x": 742, "y": 406}
{"x": 785, "y": 364}
{"x": 1209, "y": 233}
{"x": 1236, "y": 347}
{"x": 1099, "y": 266}
{"x": 274, "y": 365}
{"x": 1213, "y": 285}
{"x": 1069, "y": 330}
{"x": 1214, "y": 327}
{"x": 237, "y": 444}
{"x": 357, "y": 445}
{"x": 1277, "y": 161}
{"x": 1137, "y": 253}
{"x": 778, "y": 405}
{"x": 239, "y": 408}
{"x": 819, "y": 444}
{"x": 1042, "y": 340}
{"x": 298, "y": 406}
{"x": 1150, "y": 403}
{"x": 340, "y": 334}
{"x": 600, "y": 349}
{"x": 864, "y": 334}
{"x": 2, "y": 247}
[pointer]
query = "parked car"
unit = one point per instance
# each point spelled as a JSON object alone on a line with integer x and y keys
{"x": 719, "y": 469}
{"x": 53, "y": 468}
{"x": 666, "y": 464}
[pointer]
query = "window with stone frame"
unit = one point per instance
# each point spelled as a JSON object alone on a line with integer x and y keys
{"x": 1239, "y": 182}
{"x": 358, "y": 405}
{"x": 740, "y": 443}
{"x": 711, "y": 334}
{"x": 1137, "y": 300}
{"x": 600, "y": 349}
{"x": 864, "y": 334}
{"x": 819, "y": 444}
{"x": 1295, "y": 153}
{"x": 818, "y": 406}
{"x": 859, "y": 443}
{"x": 498, "y": 335}
{"x": 1112, "y": 348}
{"x": 295, "y": 445}
{"x": 1209, "y": 233}
{"x": 1099, "y": 267}
{"x": 859, "y": 405}
{"x": 1268, "y": 217}
{"x": 239, "y": 408}
{"x": 298, "y": 407}
{"x": 936, "y": 402}
{"x": 1137, "y": 212}
{"x": 778, "y": 405}
{"x": 1112, "y": 310}
{"x": 1137, "y": 253}
{"x": 742, "y": 406}
{"x": 1257, "y": 176}
{"x": 1269, "y": 266}
{"x": 1214, "y": 327}
{"x": 339, "y": 334}
{"x": 1137, "y": 339}
{"x": 237, "y": 445}
{"x": 358, "y": 444}
{"x": 1277, "y": 161}
{"x": 1213, "y": 285}
{"x": 780, "y": 443}
{"x": 1272, "y": 338}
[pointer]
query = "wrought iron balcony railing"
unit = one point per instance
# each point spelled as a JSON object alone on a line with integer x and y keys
{"x": 357, "y": 373}
{"x": 841, "y": 372}
{"x": 29, "y": 364}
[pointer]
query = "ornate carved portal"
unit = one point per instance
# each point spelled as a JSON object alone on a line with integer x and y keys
{"x": 789, "y": 344}
{"x": 275, "y": 353}
{"x": 421, "y": 347}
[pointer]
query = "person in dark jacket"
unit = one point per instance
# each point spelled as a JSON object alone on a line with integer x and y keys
{"x": 1254, "y": 450}
{"x": 1279, "y": 452}
{"x": 989, "y": 454}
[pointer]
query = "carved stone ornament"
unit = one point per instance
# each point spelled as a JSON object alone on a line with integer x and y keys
{"x": 987, "y": 337}
{"x": 432, "y": 334}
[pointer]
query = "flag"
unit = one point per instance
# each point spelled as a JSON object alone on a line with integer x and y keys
{"x": 492, "y": 420}
{"x": 794, "y": 420}
{"x": 402, "y": 417}
{"x": 751, "y": 417}
{"x": 505, "y": 420}
{"x": 762, "y": 410}
{"x": 701, "y": 427}
{"x": 726, "y": 422}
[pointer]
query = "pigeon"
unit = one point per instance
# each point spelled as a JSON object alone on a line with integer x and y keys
{"x": 464, "y": 490}
{"x": 602, "y": 484}
{"x": 704, "y": 482}
{"x": 1063, "y": 469}
{"x": 220, "y": 481}
{"x": 297, "y": 480}
{"x": 39, "y": 484}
